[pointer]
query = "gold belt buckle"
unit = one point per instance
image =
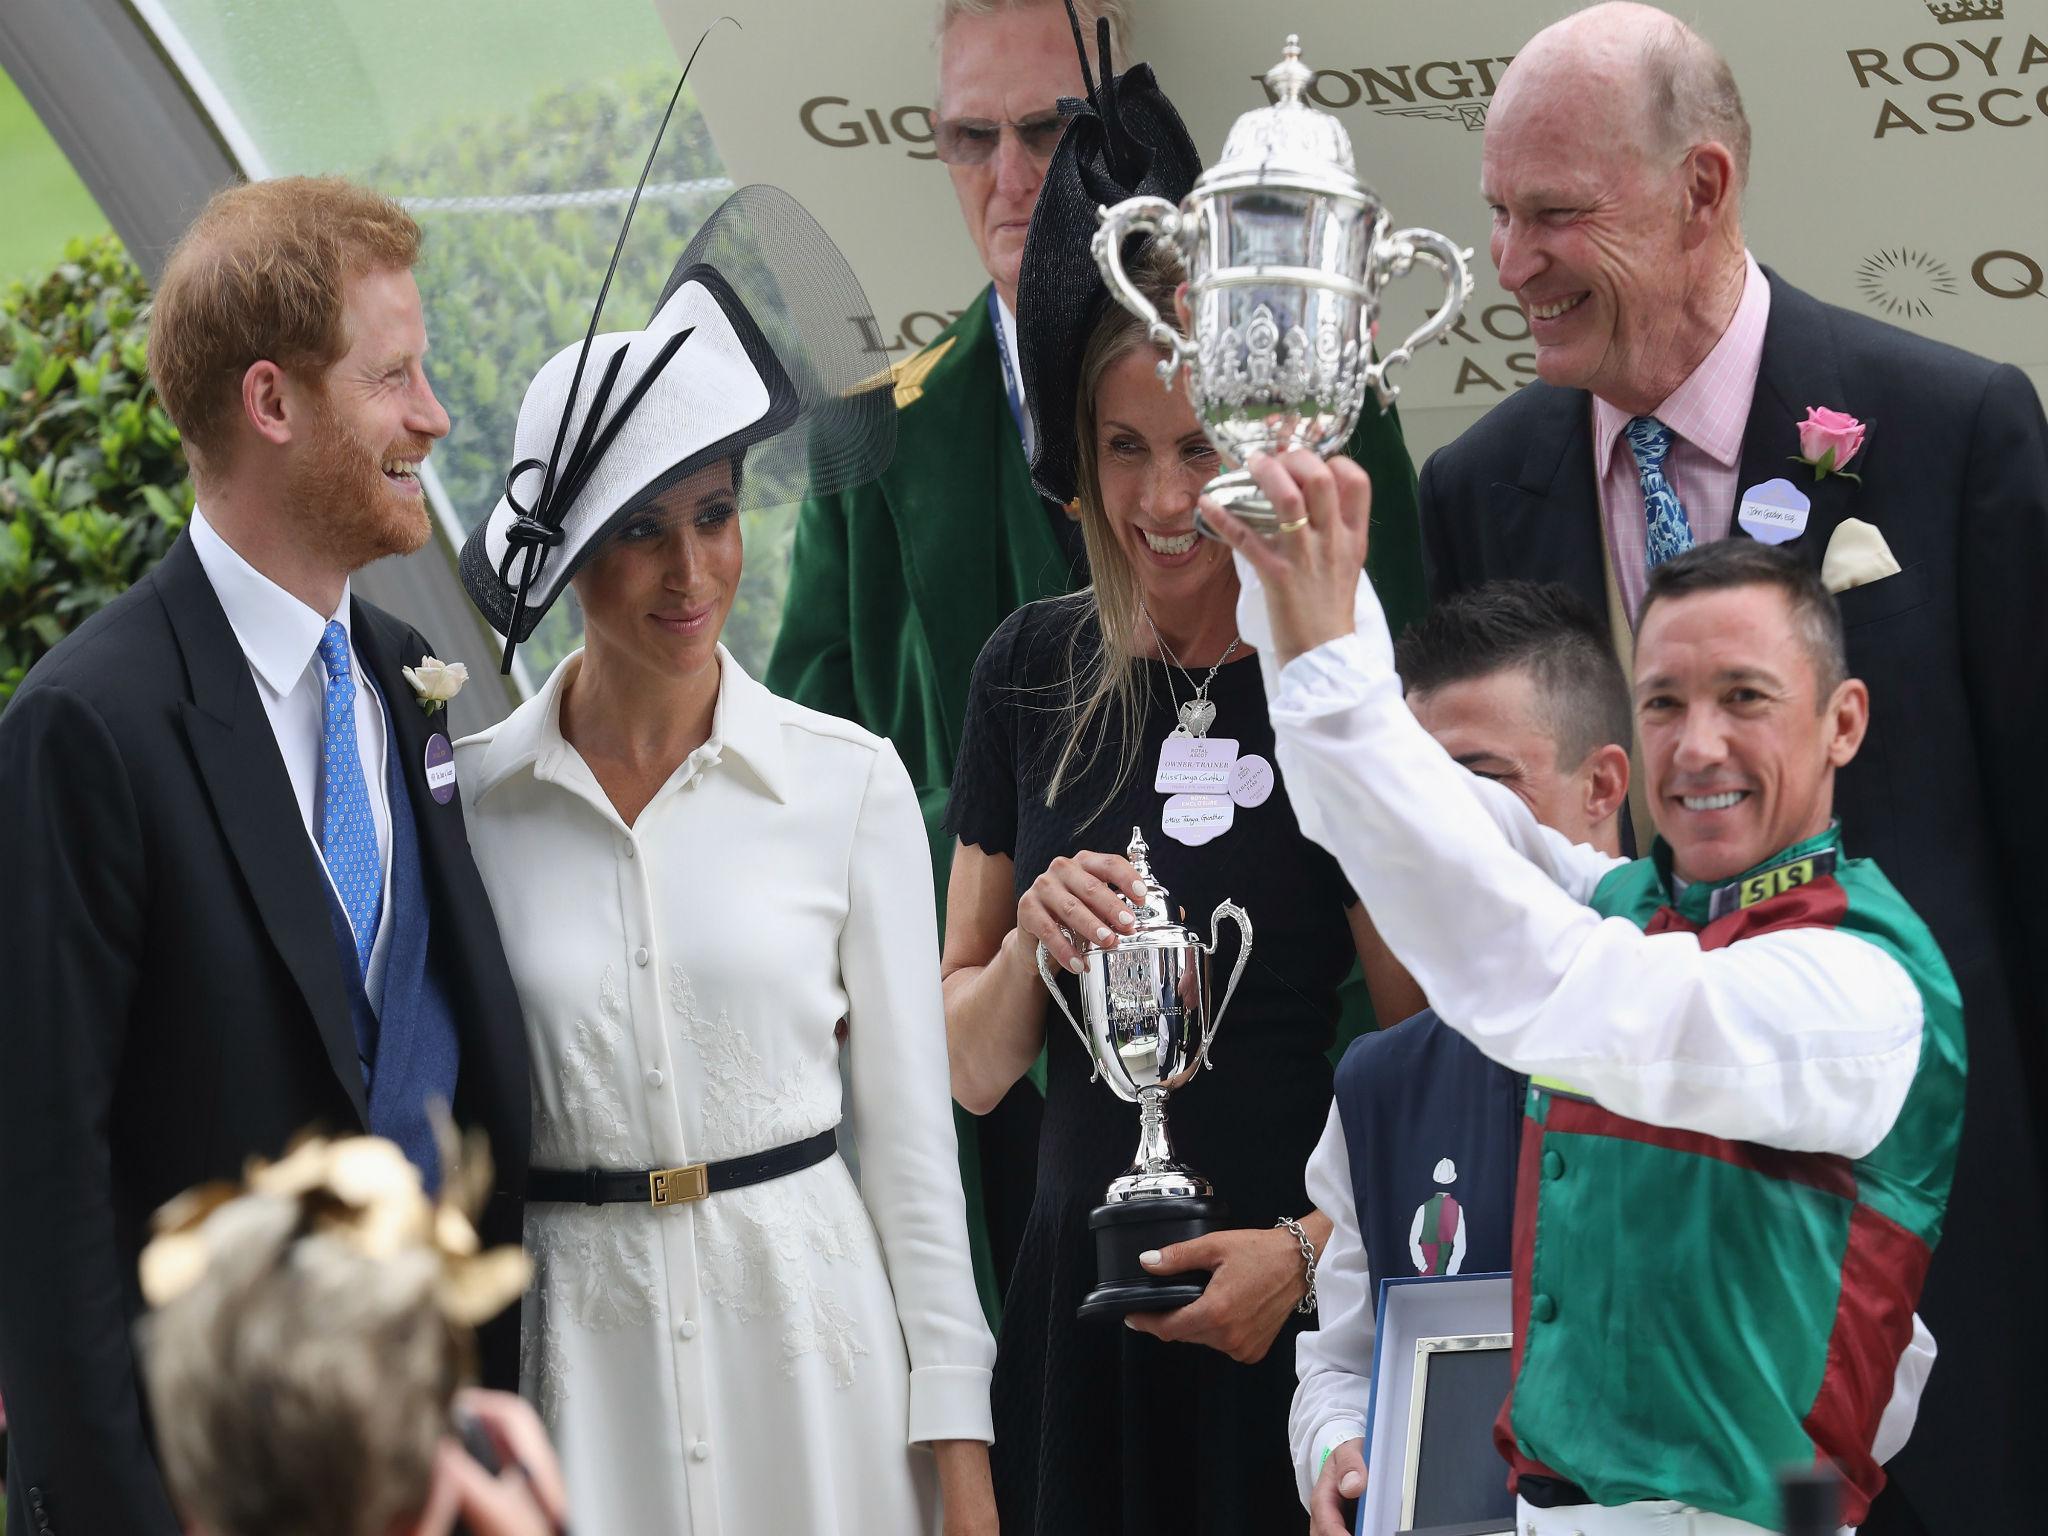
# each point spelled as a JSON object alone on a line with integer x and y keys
{"x": 674, "y": 1186}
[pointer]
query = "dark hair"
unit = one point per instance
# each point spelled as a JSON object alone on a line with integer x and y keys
{"x": 1729, "y": 563}
{"x": 1545, "y": 630}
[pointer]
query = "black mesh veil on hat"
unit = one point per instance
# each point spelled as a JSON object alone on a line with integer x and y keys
{"x": 759, "y": 353}
{"x": 818, "y": 327}
{"x": 1125, "y": 140}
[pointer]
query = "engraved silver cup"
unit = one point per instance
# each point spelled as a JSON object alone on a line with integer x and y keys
{"x": 1287, "y": 253}
{"x": 1148, "y": 1026}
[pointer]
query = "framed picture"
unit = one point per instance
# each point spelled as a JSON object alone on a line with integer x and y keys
{"x": 1442, "y": 1366}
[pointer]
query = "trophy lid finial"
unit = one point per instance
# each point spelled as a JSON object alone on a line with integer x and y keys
{"x": 1289, "y": 79}
{"x": 1154, "y": 905}
{"x": 1289, "y": 138}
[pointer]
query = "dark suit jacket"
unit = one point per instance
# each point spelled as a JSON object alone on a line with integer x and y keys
{"x": 173, "y": 1002}
{"x": 1945, "y": 794}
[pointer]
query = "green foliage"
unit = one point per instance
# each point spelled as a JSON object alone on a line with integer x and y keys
{"x": 92, "y": 481}
{"x": 507, "y": 289}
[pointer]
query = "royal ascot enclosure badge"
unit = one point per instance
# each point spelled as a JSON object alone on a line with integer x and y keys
{"x": 1774, "y": 512}
{"x": 1251, "y": 781}
{"x": 440, "y": 768}
{"x": 1195, "y": 765}
{"x": 1197, "y": 819}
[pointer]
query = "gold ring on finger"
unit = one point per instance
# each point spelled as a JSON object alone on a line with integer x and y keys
{"x": 1290, "y": 527}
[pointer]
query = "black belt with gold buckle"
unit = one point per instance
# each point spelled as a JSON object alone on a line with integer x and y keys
{"x": 677, "y": 1186}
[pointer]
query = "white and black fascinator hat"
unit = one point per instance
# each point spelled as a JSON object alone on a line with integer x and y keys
{"x": 759, "y": 352}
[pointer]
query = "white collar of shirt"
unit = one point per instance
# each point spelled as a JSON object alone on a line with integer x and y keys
{"x": 746, "y": 725}
{"x": 1687, "y": 410}
{"x": 278, "y": 633}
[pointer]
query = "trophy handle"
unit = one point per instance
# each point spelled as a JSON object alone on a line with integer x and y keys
{"x": 1242, "y": 918}
{"x": 1052, "y": 985}
{"x": 1133, "y": 216}
{"x": 1392, "y": 258}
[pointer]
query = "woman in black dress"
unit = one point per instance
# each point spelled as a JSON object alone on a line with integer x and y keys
{"x": 1136, "y": 1428}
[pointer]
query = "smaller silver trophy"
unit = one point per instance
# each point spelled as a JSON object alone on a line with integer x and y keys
{"x": 1148, "y": 1030}
{"x": 1287, "y": 252}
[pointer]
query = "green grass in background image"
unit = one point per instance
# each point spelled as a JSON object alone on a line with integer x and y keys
{"x": 46, "y": 204}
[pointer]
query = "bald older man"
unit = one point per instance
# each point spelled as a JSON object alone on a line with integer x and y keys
{"x": 1675, "y": 372}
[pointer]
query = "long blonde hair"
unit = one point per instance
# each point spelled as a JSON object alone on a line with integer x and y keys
{"x": 1109, "y": 685}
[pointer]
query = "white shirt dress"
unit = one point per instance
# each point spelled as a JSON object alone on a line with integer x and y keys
{"x": 768, "y": 1359}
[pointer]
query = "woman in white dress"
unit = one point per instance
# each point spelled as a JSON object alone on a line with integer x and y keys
{"x": 697, "y": 882}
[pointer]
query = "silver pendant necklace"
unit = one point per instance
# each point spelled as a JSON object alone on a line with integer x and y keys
{"x": 1198, "y": 713}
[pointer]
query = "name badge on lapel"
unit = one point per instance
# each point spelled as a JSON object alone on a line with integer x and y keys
{"x": 440, "y": 768}
{"x": 1774, "y": 512}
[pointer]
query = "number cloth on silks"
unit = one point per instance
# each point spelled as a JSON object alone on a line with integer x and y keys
{"x": 1692, "y": 1314}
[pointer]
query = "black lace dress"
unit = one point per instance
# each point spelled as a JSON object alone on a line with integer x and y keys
{"x": 1100, "y": 1429}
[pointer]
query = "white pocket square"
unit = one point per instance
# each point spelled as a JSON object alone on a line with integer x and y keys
{"x": 1857, "y": 555}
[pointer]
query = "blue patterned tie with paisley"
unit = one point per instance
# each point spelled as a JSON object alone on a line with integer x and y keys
{"x": 348, "y": 837}
{"x": 1668, "y": 532}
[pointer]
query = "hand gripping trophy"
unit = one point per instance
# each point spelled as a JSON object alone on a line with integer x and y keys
{"x": 1286, "y": 253}
{"x": 1146, "y": 1003}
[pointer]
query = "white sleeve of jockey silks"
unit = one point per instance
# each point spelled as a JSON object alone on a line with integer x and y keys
{"x": 1909, "y": 1380}
{"x": 1333, "y": 1360}
{"x": 1805, "y": 1039}
{"x": 1575, "y": 867}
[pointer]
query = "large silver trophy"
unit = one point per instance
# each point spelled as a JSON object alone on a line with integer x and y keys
{"x": 1147, "y": 1028}
{"x": 1287, "y": 252}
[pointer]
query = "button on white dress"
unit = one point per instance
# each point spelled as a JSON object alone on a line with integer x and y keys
{"x": 766, "y": 1359}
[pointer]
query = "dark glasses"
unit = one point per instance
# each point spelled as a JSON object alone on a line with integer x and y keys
{"x": 973, "y": 140}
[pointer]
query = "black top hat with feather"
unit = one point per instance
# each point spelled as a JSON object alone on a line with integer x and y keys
{"x": 1125, "y": 140}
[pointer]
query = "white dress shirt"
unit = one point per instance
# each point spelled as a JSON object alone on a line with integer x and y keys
{"x": 762, "y": 1360}
{"x": 280, "y": 636}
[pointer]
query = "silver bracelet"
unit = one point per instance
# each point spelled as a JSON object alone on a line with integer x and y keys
{"x": 1307, "y": 1304}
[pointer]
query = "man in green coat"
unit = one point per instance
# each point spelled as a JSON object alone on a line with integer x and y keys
{"x": 894, "y": 586}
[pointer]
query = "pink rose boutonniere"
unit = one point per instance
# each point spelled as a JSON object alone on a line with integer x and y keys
{"x": 1828, "y": 440}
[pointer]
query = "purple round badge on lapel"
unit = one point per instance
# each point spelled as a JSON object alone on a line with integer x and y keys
{"x": 1774, "y": 512}
{"x": 440, "y": 768}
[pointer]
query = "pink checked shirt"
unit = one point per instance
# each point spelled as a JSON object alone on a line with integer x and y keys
{"x": 1706, "y": 415}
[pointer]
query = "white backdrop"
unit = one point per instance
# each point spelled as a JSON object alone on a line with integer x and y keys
{"x": 1900, "y": 167}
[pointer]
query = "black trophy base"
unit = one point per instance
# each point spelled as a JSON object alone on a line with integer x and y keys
{"x": 1126, "y": 1228}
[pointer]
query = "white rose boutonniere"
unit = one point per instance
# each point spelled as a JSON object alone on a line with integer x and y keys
{"x": 435, "y": 682}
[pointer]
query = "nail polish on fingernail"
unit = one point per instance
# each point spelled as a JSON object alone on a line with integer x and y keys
{"x": 1149, "y": 1257}
{"x": 1075, "y": 965}
{"x": 1127, "y": 920}
{"x": 1102, "y": 933}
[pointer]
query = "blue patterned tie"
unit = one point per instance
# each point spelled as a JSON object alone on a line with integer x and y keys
{"x": 1668, "y": 532}
{"x": 348, "y": 837}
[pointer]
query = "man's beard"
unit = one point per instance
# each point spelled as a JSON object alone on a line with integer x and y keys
{"x": 342, "y": 504}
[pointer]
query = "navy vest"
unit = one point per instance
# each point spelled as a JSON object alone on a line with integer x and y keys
{"x": 408, "y": 1047}
{"x": 1433, "y": 1129}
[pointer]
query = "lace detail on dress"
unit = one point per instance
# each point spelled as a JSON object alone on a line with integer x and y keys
{"x": 593, "y": 1265}
{"x": 543, "y": 1363}
{"x": 761, "y": 1248}
{"x": 592, "y": 1127}
{"x": 742, "y": 1110}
